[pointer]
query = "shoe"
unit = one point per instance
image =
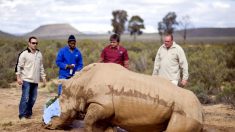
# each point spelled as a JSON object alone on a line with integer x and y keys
{"x": 23, "y": 119}
{"x": 28, "y": 116}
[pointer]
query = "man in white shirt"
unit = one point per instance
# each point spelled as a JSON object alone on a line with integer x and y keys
{"x": 169, "y": 60}
{"x": 28, "y": 70}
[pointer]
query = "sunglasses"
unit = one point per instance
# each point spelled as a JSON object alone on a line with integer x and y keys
{"x": 34, "y": 43}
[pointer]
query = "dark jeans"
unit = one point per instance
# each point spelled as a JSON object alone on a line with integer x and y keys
{"x": 59, "y": 89}
{"x": 60, "y": 85}
{"x": 28, "y": 98}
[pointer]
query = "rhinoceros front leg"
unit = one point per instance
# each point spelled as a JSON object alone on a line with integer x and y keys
{"x": 61, "y": 122}
{"x": 55, "y": 123}
{"x": 96, "y": 112}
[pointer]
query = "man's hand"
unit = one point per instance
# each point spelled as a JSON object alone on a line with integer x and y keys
{"x": 70, "y": 66}
{"x": 183, "y": 83}
{"x": 126, "y": 64}
{"x": 101, "y": 60}
{"x": 19, "y": 80}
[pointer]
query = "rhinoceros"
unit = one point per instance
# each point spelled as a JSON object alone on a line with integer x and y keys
{"x": 111, "y": 95}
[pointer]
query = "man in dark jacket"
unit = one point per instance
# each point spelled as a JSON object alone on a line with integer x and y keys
{"x": 69, "y": 60}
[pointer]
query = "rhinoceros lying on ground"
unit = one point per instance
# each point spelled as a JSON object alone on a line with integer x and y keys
{"x": 111, "y": 95}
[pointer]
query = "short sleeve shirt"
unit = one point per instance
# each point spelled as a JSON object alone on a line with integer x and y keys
{"x": 114, "y": 55}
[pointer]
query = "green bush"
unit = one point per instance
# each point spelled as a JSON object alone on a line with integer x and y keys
{"x": 207, "y": 68}
{"x": 228, "y": 93}
{"x": 53, "y": 87}
{"x": 230, "y": 61}
{"x": 200, "y": 92}
{"x": 4, "y": 84}
{"x": 90, "y": 50}
{"x": 51, "y": 73}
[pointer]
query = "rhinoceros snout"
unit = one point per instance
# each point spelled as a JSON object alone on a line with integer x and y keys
{"x": 55, "y": 123}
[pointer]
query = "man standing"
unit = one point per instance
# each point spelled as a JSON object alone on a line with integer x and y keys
{"x": 170, "y": 59}
{"x": 114, "y": 53}
{"x": 28, "y": 70}
{"x": 69, "y": 60}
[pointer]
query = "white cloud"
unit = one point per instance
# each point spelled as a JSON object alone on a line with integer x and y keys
{"x": 220, "y": 5}
{"x": 20, "y": 16}
{"x": 163, "y": 1}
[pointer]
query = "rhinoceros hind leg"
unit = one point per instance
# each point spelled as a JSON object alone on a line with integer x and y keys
{"x": 181, "y": 123}
{"x": 95, "y": 112}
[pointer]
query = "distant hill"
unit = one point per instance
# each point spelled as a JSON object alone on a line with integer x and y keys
{"x": 5, "y": 35}
{"x": 62, "y": 31}
{"x": 55, "y": 31}
{"x": 209, "y": 32}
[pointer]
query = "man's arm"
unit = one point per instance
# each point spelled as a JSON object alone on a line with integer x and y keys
{"x": 79, "y": 64}
{"x": 184, "y": 66}
{"x": 19, "y": 67}
{"x": 126, "y": 64}
{"x": 126, "y": 59}
{"x": 42, "y": 73}
{"x": 59, "y": 60}
{"x": 19, "y": 80}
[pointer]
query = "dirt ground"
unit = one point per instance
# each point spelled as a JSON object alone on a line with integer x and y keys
{"x": 218, "y": 118}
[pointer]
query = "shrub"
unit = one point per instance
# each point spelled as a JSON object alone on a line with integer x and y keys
{"x": 230, "y": 61}
{"x": 200, "y": 92}
{"x": 228, "y": 93}
{"x": 91, "y": 50}
{"x": 207, "y": 68}
{"x": 4, "y": 84}
{"x": 52, "y": 88}
{"x": 51, "y": 73}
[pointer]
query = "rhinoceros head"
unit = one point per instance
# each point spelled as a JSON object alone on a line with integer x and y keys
{"x": 72, "y": 106}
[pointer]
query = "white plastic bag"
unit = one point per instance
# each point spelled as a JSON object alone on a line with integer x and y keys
{"x": 51, "y": 109}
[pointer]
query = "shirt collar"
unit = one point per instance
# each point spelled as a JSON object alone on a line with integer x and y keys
{"x": 30, "y": 50}
{"x": 67, "y": 47}
{"x": 172, "y": 46}
{"x": 117, "y": 47}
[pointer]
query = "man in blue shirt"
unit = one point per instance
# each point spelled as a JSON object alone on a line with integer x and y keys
{"x": 69, "y": 60}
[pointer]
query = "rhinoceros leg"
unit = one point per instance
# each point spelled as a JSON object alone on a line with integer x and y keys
{"x": 56, "y": 123}
{"x": 96, "y": 112}
{"x": 63, "y": 121}
{"x": 181, "y": 123}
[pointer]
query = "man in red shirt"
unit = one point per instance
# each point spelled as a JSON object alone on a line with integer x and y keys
{"x": 114, "y": 53}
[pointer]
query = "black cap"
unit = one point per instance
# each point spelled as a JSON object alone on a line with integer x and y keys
{"x": 71, "y": 38}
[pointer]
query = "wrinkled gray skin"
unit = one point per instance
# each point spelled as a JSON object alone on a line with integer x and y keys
{"x": 111, "y": 95}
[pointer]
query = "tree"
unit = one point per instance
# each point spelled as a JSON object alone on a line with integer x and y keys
{"x": 136, "y": 23}
{"x": 185, "y": 23}
{"x": 118, "y": 21}
{"x": 161, "y": 29}
{"x": 166, "y": 26}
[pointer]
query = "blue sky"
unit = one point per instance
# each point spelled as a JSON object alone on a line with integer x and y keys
{"x": 22, "y": 16}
